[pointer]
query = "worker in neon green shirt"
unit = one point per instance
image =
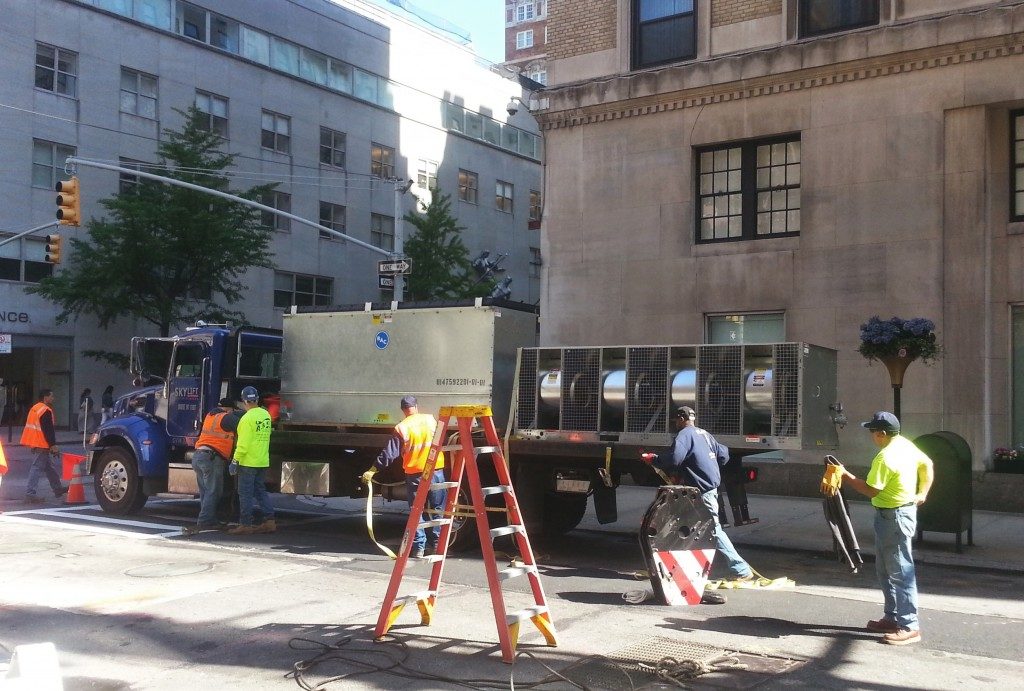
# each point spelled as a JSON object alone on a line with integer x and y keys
{"x": 252, "y": 457}
{"x": 897, "y": 483}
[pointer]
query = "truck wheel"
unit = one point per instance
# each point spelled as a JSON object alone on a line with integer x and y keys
{"x": 117, "y": 484}
{"x": 563, "y": 513}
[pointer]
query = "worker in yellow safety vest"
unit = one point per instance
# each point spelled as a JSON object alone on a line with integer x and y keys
{"x": 213, "y": 452}
{"x": 411, "y": 441}
{"x": 39, "y": 434}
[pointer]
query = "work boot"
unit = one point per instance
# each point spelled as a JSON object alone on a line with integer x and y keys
{"x": 61, "y": 493}
{"x": 417, "y": 553}
{"x": 902, "y": 637}
{"x": 242, "y": 530}
{"x": 883, "y": 625}
{"x": 34, "y": 499}
{"x": 267, "y": 526}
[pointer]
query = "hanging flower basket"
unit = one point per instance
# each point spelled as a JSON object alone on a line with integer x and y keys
{"x": 897, "y": 342}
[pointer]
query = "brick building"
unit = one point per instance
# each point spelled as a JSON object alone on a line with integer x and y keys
{"x": 526, "y": 38}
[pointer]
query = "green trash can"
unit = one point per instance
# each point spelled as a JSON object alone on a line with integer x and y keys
{"x": 950, "y": 504}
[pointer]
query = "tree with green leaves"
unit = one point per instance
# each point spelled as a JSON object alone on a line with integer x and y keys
{"x": 441, "y": 266}
{"x": 166, "y": 254}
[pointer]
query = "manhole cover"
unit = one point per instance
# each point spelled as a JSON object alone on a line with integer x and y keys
{"x": 26, "y": 547}
{"x": 636, "y": 666}
{"x": 166, "y": 570}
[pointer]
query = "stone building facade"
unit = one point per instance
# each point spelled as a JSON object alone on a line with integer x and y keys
{"x": 796, "y": 166}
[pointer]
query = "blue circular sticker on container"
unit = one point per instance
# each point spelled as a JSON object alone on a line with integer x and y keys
{"x": 381, "y": 340}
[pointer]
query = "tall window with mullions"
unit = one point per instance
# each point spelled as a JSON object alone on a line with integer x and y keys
{"x": 663, "y": 31}
{"x": 1017, "y": 169}
{"x": 830, "y": 16}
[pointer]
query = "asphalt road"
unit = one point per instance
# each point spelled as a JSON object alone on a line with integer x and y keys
{"x": 130, "y": 603}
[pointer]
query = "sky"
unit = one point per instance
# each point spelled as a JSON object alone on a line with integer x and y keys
{"x": 484, "y": 19}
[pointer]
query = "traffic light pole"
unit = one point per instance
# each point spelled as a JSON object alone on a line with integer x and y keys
{"x": 28, "y": 232}
{"x": 224, "y": 195}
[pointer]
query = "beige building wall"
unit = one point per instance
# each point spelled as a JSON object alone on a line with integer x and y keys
{"x": 905, "y": 157}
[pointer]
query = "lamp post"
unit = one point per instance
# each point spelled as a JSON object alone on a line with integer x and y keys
{"x": 401, "y": 187}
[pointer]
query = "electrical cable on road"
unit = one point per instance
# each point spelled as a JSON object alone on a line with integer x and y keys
{"x": 391, "y": 656}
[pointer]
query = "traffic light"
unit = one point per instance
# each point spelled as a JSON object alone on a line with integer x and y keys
{"x": 69, "y": 203}
{"x": 53, "y": 243}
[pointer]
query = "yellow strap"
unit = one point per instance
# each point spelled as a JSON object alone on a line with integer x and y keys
{"x": 369, "y": 521}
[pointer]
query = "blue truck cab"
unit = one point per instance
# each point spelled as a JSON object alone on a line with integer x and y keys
{"x": 145, "y": 448}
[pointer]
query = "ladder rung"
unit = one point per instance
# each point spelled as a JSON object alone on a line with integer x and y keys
{"x": 514, "y": 571}
{"x": 431, "y": 558}
{"x": 443, "y": 485}
{"x": 486, "y": 449}
{"x": 434, "y": 522}
{"x": 415, "y": 597}
{"x": 528, "y": 613}
{"x": 507, "y": 530}
{"x": 497, "y": 489}
{"x": 452, "y": 447}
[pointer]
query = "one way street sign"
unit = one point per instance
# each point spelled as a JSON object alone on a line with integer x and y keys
{"x": 399, "y": 266}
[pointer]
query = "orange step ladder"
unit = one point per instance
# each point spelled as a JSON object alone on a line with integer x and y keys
{"x": 465, "y": 464}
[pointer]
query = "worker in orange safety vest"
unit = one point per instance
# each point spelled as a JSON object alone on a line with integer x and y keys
{"x": 411, "y": 441}
{"x": 40, "y": 434}
{"x": 213, "y": 452}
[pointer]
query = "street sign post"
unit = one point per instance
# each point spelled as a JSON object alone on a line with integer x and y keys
{"x": 394, "y": 266}
{"x": 386, "y": 281}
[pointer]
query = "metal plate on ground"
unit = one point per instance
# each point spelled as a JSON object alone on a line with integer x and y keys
{"x": 27, "y": 547}
{"x": 702, "y": 665}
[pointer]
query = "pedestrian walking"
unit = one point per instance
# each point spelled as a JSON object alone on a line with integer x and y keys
{"x": 39, "y": 434}
{"x": 411, "y": 441}
{"x": 697, "y": 459}
{"x": 107, "y": 403}
{"x": 897, "y": 483}
{"x": 252, "y": 456}
{"x": 213, "y": 452}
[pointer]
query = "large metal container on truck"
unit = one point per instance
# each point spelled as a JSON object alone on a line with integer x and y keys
{"x": 344, "y": 372}
{"x": 584, "y": 414}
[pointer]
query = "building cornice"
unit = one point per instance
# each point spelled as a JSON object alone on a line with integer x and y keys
{"x": 721, "y": 79}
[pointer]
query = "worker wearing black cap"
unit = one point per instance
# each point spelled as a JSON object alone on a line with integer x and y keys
{"x": 411, "y": 442}
{"x": 697, "y": 459}
{"x": 897, "y": 483}
{"x": 212, "y": 454}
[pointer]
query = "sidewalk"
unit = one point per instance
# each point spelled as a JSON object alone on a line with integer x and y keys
{"x": 798, "y": 524}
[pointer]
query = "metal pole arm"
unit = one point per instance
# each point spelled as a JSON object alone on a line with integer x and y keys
{"x": 28, "y": 232}
{"x": 224, "y": 195}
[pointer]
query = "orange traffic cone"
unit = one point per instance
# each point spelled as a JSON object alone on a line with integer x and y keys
{"x": 74, "y": 472}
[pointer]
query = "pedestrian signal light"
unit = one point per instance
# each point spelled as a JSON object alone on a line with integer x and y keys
{"x": 53, "y": 243}
{"x": 69, "y": 203}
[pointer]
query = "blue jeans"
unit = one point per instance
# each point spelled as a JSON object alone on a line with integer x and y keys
{"x": 44, "y": 464}
{"x": 251, "y": 490}
{"x": 435, "y": 500}
{"x": 894, "y": 564}
{"x": 209, "y": 467}
{"x": 738, "y": 568}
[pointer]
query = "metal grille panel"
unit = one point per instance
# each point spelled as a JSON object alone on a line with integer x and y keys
{"x": 526, "y": 411}
{"x": 786, "y": 392}
{"x": 646, "y": 389}
{"x": 720, "y": 388}
{"x": 581, "y": 393}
